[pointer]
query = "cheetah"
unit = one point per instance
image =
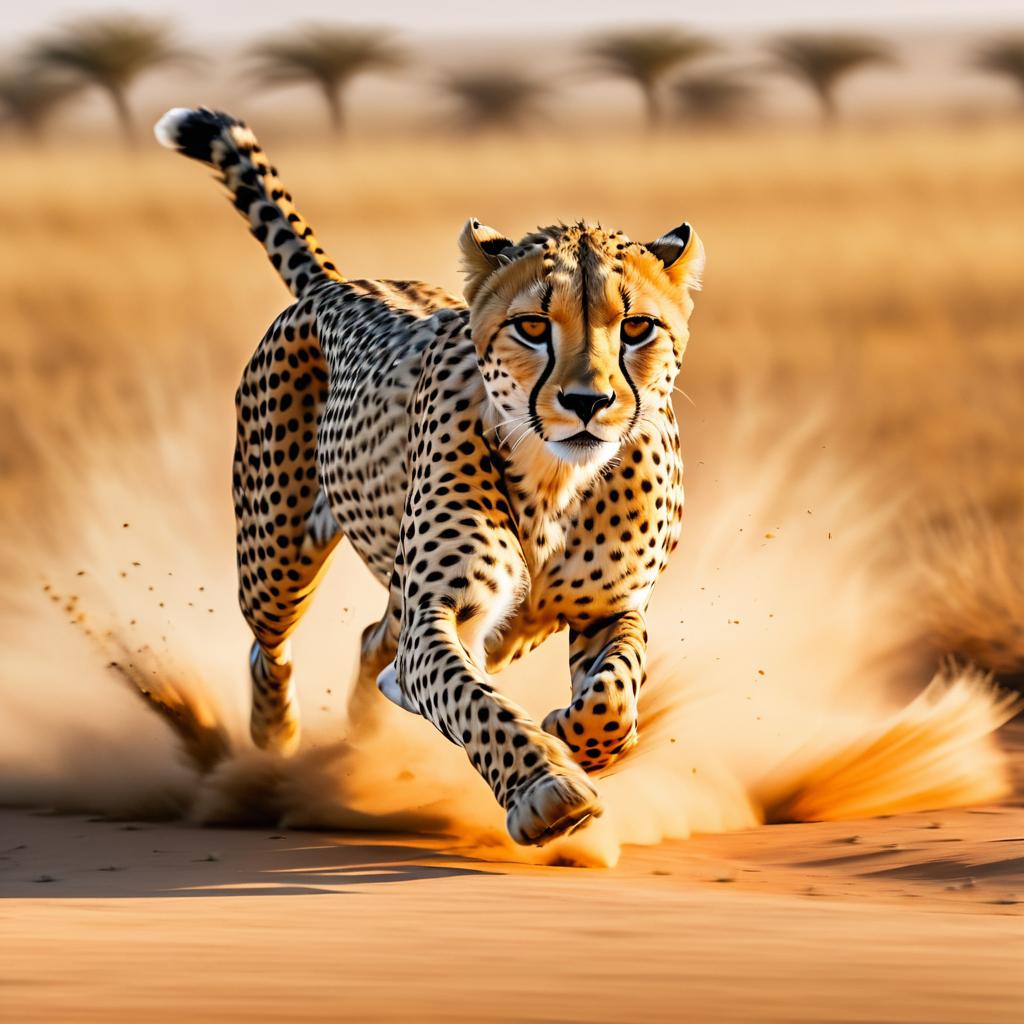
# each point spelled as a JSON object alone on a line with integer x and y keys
{"x": 507, "y": 465}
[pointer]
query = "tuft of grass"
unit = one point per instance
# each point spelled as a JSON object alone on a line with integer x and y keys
{"x": 972, "y": 577}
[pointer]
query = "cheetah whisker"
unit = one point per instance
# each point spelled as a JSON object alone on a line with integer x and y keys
{"x": 686, "y": 396}
{"x": 527, "y": 431}
{"x": 524, "y": 427}
{"x": 516, "y": 422}
{"x": 511, "y": 419}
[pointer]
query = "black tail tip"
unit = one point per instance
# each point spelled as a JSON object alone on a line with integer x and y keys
{"x": 192, "y": 131}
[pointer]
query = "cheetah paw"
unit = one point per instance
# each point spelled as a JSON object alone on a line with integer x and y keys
{"x": 551, "y": 806}
{"x": 387, "y": 683}
{"x": 593, "y": 751}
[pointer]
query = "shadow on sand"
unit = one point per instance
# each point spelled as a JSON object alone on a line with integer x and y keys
{"x": 65, "y": 857}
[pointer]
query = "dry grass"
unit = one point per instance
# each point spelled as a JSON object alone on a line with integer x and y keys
{"x": 875, "y": 275}
{"x": 972, "y": 568}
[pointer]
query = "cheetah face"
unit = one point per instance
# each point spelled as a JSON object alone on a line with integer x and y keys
{"x": 579, "y": 332}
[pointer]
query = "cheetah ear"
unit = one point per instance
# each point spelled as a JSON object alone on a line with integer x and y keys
{"x": 682, "y": 254}
{"x": 483, "y": 251}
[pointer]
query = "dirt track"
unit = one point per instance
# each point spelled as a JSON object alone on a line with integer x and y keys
{"x": 910, "y": 918}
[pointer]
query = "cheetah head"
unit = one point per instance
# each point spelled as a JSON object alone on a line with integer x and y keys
{"x": 579, "y": 332}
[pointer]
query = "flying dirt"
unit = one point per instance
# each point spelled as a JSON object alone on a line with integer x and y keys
{"x": 774, "y": 694}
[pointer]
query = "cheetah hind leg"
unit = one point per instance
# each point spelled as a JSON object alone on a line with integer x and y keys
{"x": 275, "y": 721}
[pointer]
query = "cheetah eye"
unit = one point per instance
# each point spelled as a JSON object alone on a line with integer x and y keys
{"x": 637, "y": 329}
{"x": 532, "y": 330}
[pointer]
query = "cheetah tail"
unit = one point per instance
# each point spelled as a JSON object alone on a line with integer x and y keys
{"x": 226, "y": 144}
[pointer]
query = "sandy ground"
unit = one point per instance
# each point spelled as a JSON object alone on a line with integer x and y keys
{"x": 914, "y": 917}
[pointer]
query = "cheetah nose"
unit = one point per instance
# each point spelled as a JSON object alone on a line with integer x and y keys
{"x": 586, "y": 405}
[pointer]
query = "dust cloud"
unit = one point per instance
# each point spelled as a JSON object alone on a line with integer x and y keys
{"x": 786, "y": 678}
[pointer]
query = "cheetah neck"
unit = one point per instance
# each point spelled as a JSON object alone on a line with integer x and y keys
{"x": 545, "y": 492}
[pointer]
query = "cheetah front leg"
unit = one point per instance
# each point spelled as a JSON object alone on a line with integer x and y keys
{"x": 530, "y": 773}
{"x": 463, "y": 575}
{"x": 608, "y": 660}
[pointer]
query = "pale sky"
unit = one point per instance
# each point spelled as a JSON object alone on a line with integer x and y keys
{"x": 204, "y": 19}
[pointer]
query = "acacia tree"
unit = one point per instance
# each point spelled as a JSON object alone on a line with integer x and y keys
{"x": 327, "y": 57}
{"x": 1003, "y": 57}
{"x": 29, "y": 98}
{"x": 110, "y": 53}
{"x": 646, "y": 58}
{"x": 715, "y": 96}
{"x": 821, "y": 62}
{"x": 494, "y": 99}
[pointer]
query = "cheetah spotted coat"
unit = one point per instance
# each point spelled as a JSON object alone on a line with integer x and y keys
{"x": 393, "y": 414}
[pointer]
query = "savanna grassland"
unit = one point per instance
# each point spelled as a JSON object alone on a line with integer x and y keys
{"x": 857, "y": 354}
{"x": 870, "y": 277}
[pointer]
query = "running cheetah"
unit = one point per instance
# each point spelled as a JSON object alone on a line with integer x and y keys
{"x": 506, "y": 466}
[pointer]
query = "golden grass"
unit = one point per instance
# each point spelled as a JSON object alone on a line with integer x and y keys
{"x": 873, "y": 275}
{"x": 972, "y": 569}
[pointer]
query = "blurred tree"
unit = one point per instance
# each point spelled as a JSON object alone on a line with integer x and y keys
{"x": 716, "y": 96}
{"x": 820, "y": 62}
{"x": 328, "y": 57}
{"x": 1003, "y": 57}
{"x": 494, "y": 99}
{"x": 29, "y": 98}
{"x": 110, "y": 52}
{"x": 646, "y": 57}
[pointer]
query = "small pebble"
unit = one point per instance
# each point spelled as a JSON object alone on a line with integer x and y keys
{"x": 44, "y": 878}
